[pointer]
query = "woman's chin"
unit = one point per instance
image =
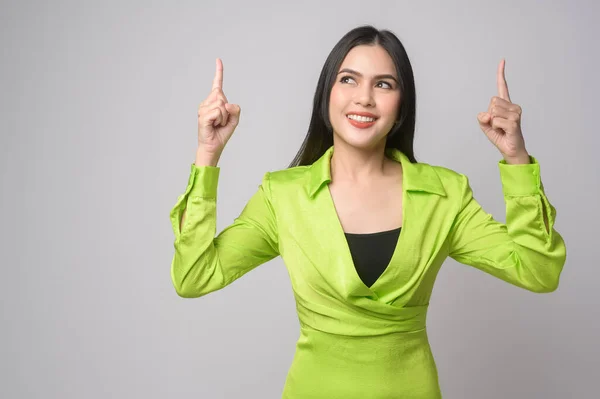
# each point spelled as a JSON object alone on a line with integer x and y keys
{"x": 361, "y": 138}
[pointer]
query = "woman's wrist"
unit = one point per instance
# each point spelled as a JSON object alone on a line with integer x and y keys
{"x": 518, "y": 159}
{"x": 204, "y": 158}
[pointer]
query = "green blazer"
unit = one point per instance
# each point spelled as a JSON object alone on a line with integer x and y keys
{"x": 292, "y": 214}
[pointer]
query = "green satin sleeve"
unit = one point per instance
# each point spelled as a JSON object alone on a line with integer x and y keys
{"x": 203, "y": 263}
{"x": 521, "y": 251}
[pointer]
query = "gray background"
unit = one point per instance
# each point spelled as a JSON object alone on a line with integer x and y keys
{"x": 98, "y": 131}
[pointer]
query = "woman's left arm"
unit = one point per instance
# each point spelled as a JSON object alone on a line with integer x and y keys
{"x": 526, "y": 251}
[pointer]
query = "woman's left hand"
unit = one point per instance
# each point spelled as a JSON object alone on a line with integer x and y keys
{"x": 502, "y": 123}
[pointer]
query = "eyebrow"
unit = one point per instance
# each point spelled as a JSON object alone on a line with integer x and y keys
{"x": 353, "y": 72}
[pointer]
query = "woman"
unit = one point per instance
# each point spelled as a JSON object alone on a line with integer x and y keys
{"x": 362, "y": 227}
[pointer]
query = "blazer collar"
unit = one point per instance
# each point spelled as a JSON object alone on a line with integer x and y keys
{"x": 416, "y": 176}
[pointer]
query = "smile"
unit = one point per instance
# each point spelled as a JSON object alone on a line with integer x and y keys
{"x": 360, "y": 118}
{"x": 361, "y": 122}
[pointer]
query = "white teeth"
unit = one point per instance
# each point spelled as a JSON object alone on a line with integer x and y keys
{"x": 360, "y": 118}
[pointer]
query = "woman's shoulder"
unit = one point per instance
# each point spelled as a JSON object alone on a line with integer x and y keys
{"x": 295, "y": 173}
{"x": 288, "y": 179}
{"x": 449, "y": 178}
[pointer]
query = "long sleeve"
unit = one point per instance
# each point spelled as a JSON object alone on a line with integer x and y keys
{"x": 203, "y": 263}
{"x": 522, "y": 251}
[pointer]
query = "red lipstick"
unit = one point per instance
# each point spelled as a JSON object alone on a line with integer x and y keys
{"x": 362, "y": 125}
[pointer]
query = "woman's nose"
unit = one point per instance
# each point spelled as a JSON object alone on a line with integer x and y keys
{"x": 364, "y": 96}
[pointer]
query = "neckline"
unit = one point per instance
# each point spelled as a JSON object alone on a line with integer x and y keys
{"x": 347, "y": 254}
{"x": 341, "y": 234}
{"x": 377, "y": 233}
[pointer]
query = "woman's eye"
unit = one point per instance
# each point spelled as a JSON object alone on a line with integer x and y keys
{"x": 349, "y": 79}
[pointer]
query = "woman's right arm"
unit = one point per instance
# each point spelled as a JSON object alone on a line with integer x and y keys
{"x": 203, "y": 263}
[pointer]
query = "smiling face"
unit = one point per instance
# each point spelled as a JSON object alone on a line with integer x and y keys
{"x": 365, "y": 97}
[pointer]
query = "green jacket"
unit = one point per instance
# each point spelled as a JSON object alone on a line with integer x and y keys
{"x": 292, "y": 214}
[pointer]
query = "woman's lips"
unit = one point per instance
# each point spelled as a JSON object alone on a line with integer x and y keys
{"x": 361, "y": 125}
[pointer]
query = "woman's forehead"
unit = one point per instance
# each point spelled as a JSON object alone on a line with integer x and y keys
{"x": 369, "y": 60}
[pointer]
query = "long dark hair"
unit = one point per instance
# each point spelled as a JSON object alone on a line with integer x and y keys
{"x": 320, "y": 132}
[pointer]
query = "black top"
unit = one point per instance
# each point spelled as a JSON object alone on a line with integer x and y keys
{"x": 372, "y": 252}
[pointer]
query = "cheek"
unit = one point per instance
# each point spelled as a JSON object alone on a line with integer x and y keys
{"x": 335, "y": 100}
{"x": 389, "y": 105}
{"x": 336, "y": 106}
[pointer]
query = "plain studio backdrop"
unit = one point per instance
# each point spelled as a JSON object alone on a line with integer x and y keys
{"x": 98, "y": 119}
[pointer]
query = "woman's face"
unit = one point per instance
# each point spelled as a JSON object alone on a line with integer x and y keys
{"x": 365, "y": 96}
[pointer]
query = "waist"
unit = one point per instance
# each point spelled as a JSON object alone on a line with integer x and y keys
{"x": 382, "y": 345}
{"x": 362, "y": 322}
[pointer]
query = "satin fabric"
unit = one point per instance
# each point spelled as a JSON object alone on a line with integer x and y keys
{"x": 358, "y": 341}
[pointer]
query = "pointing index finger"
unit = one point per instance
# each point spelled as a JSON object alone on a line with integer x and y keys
{"x": 502, "y": 86}
{"x": 218, "y": 80}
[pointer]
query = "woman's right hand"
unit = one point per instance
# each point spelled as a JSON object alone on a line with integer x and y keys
{"x": 217, "y": 119}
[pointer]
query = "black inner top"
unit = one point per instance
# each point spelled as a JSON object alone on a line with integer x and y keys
{"x": 371, "y": 253}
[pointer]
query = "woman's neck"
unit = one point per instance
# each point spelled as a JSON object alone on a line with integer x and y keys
{"x": 358, "y": 165}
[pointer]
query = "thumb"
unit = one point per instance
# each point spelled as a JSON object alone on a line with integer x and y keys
{"x": 234, "y": 113}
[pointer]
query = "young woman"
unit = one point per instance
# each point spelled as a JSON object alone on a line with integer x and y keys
{"x": 362, "y": 227}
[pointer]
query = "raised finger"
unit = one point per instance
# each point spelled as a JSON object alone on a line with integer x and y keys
{"x": 502, "y": 86}
{"x": 218, "y": 80}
